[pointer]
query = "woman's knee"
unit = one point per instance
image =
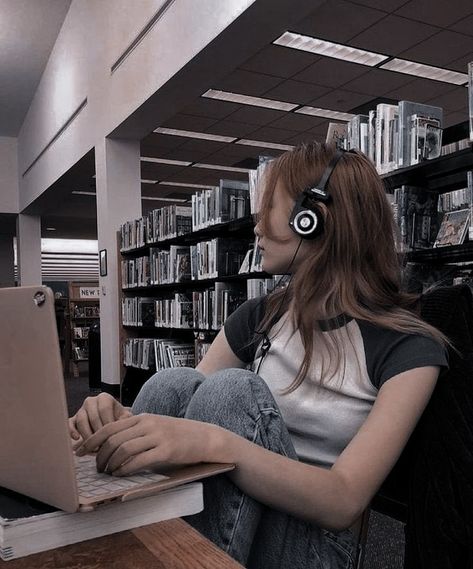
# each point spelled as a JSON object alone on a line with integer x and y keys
{"x": 227, "y": 393}
{"x": 167, "y": 391}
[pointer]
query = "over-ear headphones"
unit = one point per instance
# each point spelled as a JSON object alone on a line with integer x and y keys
{"x": 306, "y": 219}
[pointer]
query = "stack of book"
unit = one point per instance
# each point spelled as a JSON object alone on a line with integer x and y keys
{"x": 28, "y": 526}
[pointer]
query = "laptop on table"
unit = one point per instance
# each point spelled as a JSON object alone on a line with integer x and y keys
{"x": 36, "y": 456}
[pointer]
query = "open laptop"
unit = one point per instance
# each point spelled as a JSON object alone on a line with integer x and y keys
{"x": 36, "y": 457}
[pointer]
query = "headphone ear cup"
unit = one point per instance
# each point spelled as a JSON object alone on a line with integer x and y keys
{"x": 305, "y": 222}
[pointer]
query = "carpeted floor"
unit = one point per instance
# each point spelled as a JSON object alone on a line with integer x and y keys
{"x": 385, "y": 545}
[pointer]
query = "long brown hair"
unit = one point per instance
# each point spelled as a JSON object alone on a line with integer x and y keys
{"x": 353, "y": 267}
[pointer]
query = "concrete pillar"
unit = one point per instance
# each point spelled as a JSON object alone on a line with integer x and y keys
{"x": 118, "y": 200}
{"x": 29, "y": 249}
{"x": 7, "y": 261}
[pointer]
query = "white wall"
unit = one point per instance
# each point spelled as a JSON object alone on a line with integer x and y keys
{"x": 94, "y": 33}
{"x": 9, "y": 202}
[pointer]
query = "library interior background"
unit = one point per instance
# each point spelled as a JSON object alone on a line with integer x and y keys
{"x": 133, "y": 135}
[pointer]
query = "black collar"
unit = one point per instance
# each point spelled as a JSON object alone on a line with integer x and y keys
{"x": 334, "y": 323}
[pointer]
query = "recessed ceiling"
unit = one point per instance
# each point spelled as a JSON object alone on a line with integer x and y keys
{"x": 429, "y": 32}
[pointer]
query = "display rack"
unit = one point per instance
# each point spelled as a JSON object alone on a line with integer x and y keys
{"x": 84, "y": 311}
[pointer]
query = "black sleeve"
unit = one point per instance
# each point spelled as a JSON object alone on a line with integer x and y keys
{"x": 389, "y": 353}
{"x": 240, "y": 328}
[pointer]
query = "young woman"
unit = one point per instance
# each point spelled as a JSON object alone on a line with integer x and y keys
{"x": 312, "y": 392}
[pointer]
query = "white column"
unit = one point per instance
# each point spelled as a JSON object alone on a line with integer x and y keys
{"x": 118, "y": 200}
{"x": 28, "y": 234}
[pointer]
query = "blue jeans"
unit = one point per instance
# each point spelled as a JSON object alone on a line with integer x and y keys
{"x": 257, "y": 536}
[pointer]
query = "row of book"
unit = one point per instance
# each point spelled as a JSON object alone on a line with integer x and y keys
{"x": 204, "y": 309}
{"x": 157, "y": 354}
{"x": 160, "y": 224}
{"x": 226, "y": 202}
{"x": 394, "y": 136}
{"x": 81, "y": 311}
{"x": 427, "y": 219}
{"x": 218, "y": 257}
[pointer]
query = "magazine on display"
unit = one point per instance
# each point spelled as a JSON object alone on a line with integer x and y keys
{"x": 453, "y": 229}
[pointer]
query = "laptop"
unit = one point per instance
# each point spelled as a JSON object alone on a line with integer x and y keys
{"x": 36, "y": 456}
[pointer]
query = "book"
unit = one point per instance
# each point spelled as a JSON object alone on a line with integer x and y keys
{"x": 416, "y": 215}
{"x": 407, "y": 109}
{"x": 453, "y": 228}
{"x": 28, "y": 526}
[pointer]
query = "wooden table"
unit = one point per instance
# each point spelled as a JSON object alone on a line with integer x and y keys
{"x": 172, "y": 544}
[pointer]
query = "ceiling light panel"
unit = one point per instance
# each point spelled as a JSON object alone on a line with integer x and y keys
{"x": 427, "y": 71}
{"x": 330, "y": 49}
{"x": 192, "y": 134}
{"x": 262, "y": 144}
{"x": 165, "y": 161}
{"x": 222, "y": 168}
{"x": 156, "y": 199}
{"x": 81, "y": 193}
{"x": 325, "y": 113}
{"x": 185, "y": 185}
{"x": 248, "y": 100}
{"x": 148, "y": 181}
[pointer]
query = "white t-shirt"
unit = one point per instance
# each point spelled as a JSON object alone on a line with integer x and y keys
{"x": 322, "y": 418}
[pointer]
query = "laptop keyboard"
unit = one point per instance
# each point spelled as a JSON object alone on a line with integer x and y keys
{"x": 93, "y": 484}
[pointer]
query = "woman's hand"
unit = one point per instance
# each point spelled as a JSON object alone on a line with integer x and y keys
{"x": 149, "y": 441}
{"x": 93, "y": 415}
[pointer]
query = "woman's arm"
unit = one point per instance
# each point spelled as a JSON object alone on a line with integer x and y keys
{"x": 335, "y": 498}
{"x": 330, "y": 498}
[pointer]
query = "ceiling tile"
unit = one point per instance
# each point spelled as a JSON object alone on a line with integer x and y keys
{"x": 440, "y": 49}
{"x": 211, "y": 108}
{"x": 232, "y": 128}
{"x": 270, "y": 134}
{"x": 455, "y": 118}
{"x": 321, "y": 129}
{"x": 386, "y": 5}
{"x": 392, "y": 35}
{"x": 154, "y": 143}
{"x": 464, "y": 26}
{"x": 296, "y": 92}
{"x": 224, "y": 158}
{"x": 247, "y": 83}
{"x": 187, "y": 154}
{"x": 420, "y": 90}
{"x": 324, "y": 22}
{"x": 341, "y": 100}
{"x": 297, "y": 122}
{"x": 303, "y": 137}
{"x": 153, "y": 171}
{"x": 461, "y": 64}
{"x": 234, "y": 153}
{"x": 189, "y": 175}
{"x": 331, "y": 72}
{"x": 440, "y": 14}
{"x": 279, "y": 61}
{"x": 256, "y": 115}
{"x": 214, "y": 177}
{"x": 378, "y": 82}
{"x": 199, "y": 145}
{"x": 455, "y": 100}
{"x": 188, "y": 122}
